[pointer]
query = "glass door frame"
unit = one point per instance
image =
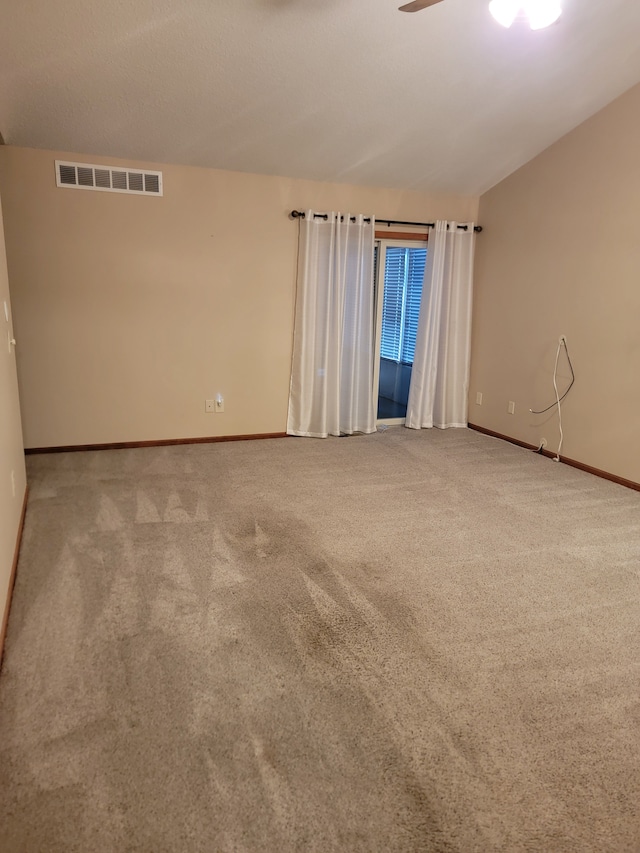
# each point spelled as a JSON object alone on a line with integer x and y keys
{"x": 383, "y": 244}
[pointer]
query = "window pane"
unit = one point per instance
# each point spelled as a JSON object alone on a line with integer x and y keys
{"x": 416, "y": 259}
{"x": 404, "y": 274}
{"x": 392, "y": 303}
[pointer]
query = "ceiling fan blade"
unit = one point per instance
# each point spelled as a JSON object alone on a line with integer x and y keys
{"x": 417, "y": 5}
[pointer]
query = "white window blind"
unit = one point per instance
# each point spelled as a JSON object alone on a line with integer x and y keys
{"x": 403, "y": 277}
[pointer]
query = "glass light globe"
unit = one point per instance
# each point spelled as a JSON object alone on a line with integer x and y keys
{"x": 541, "y": 13}
{"x": 504, "y": 11}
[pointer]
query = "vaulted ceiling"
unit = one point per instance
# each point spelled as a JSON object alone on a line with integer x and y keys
{"x": 332, "y": 90}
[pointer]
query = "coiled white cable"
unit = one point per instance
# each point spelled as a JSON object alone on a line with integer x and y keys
{"x": 556, "y": 458}
{"x": 561, "y": 343}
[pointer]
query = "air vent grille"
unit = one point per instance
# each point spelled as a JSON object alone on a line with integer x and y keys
{"x": 84, "y": 176}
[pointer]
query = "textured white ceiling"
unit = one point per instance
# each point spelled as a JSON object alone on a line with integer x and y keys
{"x": 333, "y": 90}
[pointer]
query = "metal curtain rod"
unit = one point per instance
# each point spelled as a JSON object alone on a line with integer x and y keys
{"x": 300, "y": 214}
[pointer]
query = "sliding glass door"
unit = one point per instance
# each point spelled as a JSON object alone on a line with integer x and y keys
{"x": 400, "y": 274}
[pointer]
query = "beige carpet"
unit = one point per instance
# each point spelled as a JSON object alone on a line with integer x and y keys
{"x": 411, "y": 641}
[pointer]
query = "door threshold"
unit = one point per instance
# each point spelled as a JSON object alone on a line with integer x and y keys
{"x": 389, "y": 422}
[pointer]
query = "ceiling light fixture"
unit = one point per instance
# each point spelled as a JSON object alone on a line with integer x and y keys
{"x": 540, "y": 13}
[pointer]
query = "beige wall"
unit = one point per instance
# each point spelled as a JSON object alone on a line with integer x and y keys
{"x": 560, "y": 254}
{"x": 131, "y": 311}
{"x": 12, "y": 471}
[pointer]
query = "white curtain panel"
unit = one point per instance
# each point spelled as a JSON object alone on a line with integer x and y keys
{"x": 440, "y": 375}
{"x": 332, "y": 371}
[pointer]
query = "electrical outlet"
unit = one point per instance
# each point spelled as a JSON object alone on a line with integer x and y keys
{"x": 219, "y": 403}
{"x": 478, "y": 398}
{"x": 209, "y": 405}
{"x": 511, "y": 408}
{"x": 543, "y": 443}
